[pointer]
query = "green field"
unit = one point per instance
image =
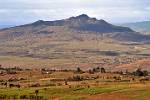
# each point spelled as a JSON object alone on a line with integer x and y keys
{"x": 78, "y": 93}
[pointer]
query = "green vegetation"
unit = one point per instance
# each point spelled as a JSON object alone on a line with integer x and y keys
{"x": 71, "y": 98}
{"x": 139, "y": 72}
{"x": 98, "y": 90}
{"x": 65, "y": 93}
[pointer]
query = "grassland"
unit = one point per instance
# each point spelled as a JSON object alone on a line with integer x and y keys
{"x": 82, "y": 93}
{"x": 52, "y": 86}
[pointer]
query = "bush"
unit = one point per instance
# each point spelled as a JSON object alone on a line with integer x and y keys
{"x": 77, "y": 78}
{"x": 3, "y": 97}
{"x": 91, "y": 72}
{"x": 98, "y": 69}
{"x": 24, "y": 97}
{"x": 79, "y": 71}
{"x": 139, "y": 72}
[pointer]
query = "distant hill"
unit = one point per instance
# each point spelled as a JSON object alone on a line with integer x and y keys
{"x": 81, "y": 23}
{"x": 143, "y": 27}
{"x": 5, "y": 26}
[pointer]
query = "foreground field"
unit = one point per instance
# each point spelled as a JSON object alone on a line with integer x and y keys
{"x": 105, "y": 92}
{"x": 42, "y": 84}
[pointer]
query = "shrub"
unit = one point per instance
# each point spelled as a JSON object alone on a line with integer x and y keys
{"x": 139, "y": 72}
{"x": 23, "y": 97}
{"x": 78, "y": 70}
{"x": 77, "y": 78}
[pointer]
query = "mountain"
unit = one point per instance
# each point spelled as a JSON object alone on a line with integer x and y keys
{"x": 143, "y": 27}
{"x": 67, "y": 43}
{"x": 81, "y": 23}
{"x": 85, "y": 23}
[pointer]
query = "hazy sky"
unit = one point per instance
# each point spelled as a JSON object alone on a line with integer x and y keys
{"x": 115, "y": 11}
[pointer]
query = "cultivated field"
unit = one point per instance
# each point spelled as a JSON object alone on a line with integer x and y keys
{"x": 116, "y": 92}
{"x": 44, "y": 84}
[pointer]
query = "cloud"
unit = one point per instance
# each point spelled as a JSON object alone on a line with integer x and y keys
{"x": 118, "y": 11}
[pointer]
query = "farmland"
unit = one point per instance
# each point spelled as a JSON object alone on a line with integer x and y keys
{"x": 72, "y": 85}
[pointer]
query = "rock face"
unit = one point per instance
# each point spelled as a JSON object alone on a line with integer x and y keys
{"x": 81, "y": 23}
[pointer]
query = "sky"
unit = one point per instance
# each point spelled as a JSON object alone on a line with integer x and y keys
{"x": 17, "y": 12}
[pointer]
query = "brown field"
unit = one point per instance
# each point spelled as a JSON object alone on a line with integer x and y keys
{"x": 71, "y": 50}
{"x": 61, "y": 85}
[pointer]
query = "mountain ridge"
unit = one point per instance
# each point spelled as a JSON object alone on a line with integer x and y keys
{"x": 82, "y": 23}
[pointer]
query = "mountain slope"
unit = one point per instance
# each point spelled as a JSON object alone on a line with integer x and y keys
{"x": 85, "y": 23}
{"x": 81, "y": 23}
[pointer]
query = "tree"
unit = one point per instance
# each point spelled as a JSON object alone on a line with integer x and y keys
{"x": 77, "y": 78}
{"x": 145, "y": 73}
{"x": 139, "y": 72}
{"x": 94, "y": 69}
{"x": 36, "y": 93}
{"x": 79, "y": 70}
{"x": 90, "y": 71}
{"x": 66, "y": 82}
{"x": 98, "y": 69}
{"x": 103, "y": 70}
